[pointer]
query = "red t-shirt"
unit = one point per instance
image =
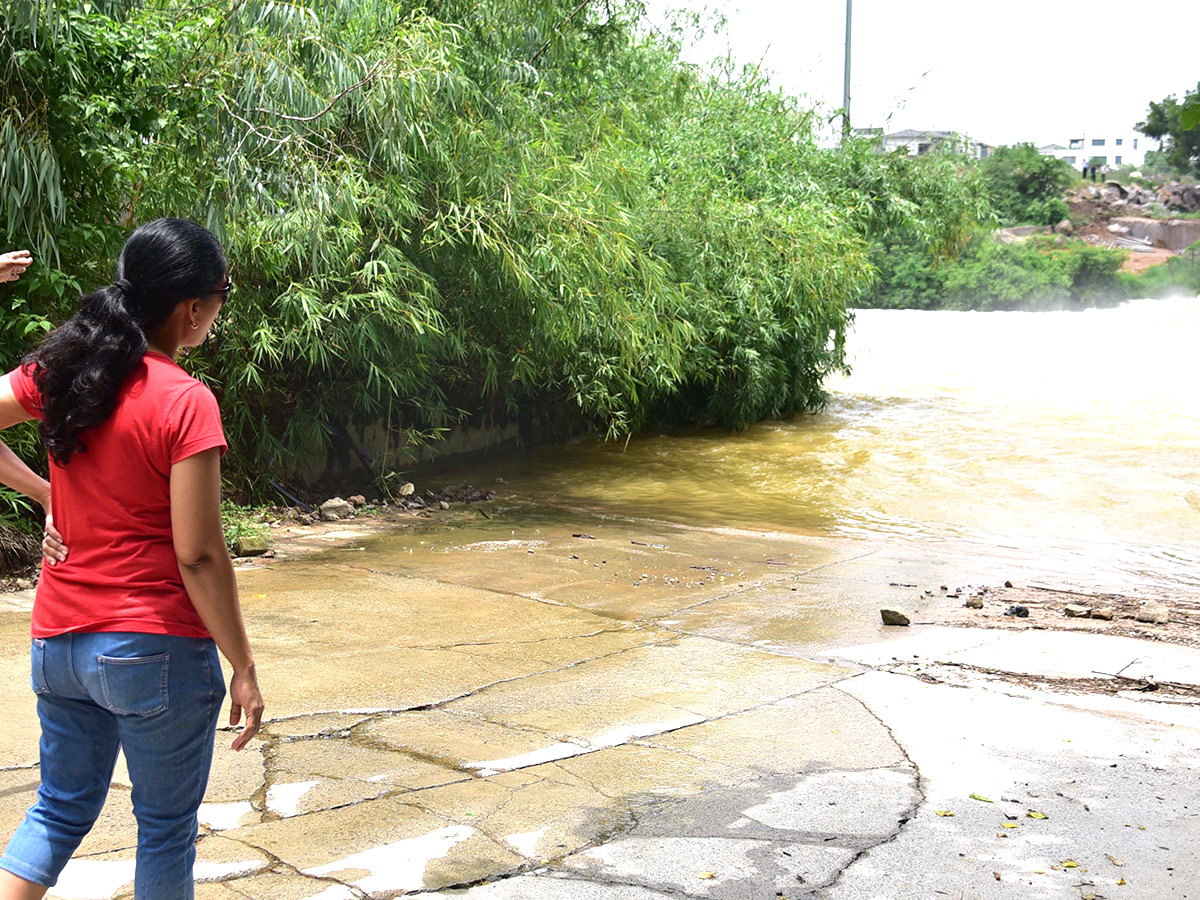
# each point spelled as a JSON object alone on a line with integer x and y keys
{"x": 112, "y": 505}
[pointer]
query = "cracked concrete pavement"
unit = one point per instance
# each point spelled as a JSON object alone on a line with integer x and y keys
{"x": 522, "y": 709}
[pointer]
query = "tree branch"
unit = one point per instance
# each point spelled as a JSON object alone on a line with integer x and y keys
{"x": 542, "y": 49}
{"x": 369, "y": 77}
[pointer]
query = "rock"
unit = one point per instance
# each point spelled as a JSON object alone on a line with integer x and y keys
{"x": 973, "y": 603}
{"x": 270, "y": 554}
{"x": 304, "y": 519}
{"x": 893, "y": 616}
{"x": 1117, "y": 228}
{"x": 1008, "y": 584}
{"x": 500, "y": 481}
{"x": 336, "y": 508}
{"x": 250, "y": 546}
{"x": 1075, "y": 611}
{"x": 1021, "y": 612}
{"x": 442, "y": 504}
{"x": 1064, "y": 227}
{"x": 358, "y": 500}
{"x": 406, "y": 489}
{"x": 1153, "y": 612}
{"x": 1105, "y": 614}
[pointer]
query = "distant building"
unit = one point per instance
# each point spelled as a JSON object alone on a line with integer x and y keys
{"x": 918, "y": 143}
{"x": 1104, "y": 148}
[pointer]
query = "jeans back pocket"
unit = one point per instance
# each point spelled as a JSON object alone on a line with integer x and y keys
{"x": 37, "y": 667}
{"x": 135, "y": 686}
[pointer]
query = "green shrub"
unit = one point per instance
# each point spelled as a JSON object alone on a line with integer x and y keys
{"x": 1032, "y": 274}
{"x": 499, "y": 209}
{"x": 1026, "y": 187}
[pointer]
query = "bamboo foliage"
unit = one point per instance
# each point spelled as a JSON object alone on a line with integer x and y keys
{"x": 447, "y": 209}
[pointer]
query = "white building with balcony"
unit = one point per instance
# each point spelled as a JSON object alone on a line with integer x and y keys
{"x": 918, "y": 143}
{"x": 1113, "y": 149}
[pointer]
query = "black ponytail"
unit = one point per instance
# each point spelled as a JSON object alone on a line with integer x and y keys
{"x": 80, "y": 367}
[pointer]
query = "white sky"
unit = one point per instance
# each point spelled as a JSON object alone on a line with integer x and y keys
{"x": 1004, "y": 72}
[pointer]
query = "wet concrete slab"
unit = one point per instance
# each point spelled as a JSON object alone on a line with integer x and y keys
{"x": 660, "y": 711}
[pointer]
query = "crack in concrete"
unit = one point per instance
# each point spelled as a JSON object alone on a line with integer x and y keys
{"x": 282, "y": 866}
{"x": 22, "y": 767}
{"x": 789, "y": 576}
{"x": 908, "y": 814}
{"x": 630, "y": 626}
{"x": 661, "y": 890}
{"x": 439, "y": 704}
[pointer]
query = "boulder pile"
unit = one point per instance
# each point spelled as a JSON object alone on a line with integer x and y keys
{"x": 1174, "y": 196}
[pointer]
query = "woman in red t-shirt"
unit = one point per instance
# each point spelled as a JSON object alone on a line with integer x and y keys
{"x": 137, "y": 590}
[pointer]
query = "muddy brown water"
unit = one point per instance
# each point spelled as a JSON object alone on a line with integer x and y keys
{"x": 1066, "y": 440}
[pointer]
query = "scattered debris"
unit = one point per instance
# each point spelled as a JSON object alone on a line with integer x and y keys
{"x": 973, "y": 603}
{"x": 250, "y": 545}
{"x": 1021, "y": 612}
{"x": 1076, "y": 611}
{"x": 1153, "y": 612}
{"x": 336, "y": 508}
{"x": 893, "y": 616}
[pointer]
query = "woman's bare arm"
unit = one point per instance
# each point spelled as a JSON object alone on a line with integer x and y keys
{"x": 209, "y": 579}
{"x": 13, "y": 472}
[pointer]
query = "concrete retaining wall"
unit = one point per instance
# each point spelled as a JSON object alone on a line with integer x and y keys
{"x": 1174, "y": 234}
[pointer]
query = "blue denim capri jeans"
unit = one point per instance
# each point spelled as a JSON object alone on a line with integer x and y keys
{"x": 158, "y": 697}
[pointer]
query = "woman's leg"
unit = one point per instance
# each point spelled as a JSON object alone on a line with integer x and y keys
{"x": 167, "y": 694}
{"x": 78, "y": 750}
{"x": 14, "y": 888}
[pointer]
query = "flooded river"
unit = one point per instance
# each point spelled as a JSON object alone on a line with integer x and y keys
{"x": 1067, "y": 437}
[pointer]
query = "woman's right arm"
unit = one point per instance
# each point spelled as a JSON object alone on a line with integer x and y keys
{"x": 209, "y": 579}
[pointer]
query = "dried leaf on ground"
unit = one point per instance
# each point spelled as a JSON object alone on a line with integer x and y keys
{"x": 944, "y": 812}
{"x": 1034, "y": 814}
{"x": 981, "y": 798}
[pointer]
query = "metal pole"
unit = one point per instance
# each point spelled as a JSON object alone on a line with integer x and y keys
{"x": 846, "y": 84}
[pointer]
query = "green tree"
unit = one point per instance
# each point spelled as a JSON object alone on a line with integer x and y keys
{"x": 1177, "y": 124}
{"x": 486, "y": 209}
{"x": 1025, "y": 186}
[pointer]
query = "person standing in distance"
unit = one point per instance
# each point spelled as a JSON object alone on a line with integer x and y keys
{"x": 137, "y": 590}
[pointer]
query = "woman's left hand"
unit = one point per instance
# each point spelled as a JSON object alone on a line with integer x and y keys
{"x": 53, "y": 548}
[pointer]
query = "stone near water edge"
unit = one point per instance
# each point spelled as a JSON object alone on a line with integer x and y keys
{"x": 358, "y": 500}
{"x": 406, "y": 489}
{"x": 1076, "y": 611}
{"x": 442, "y": 504}
{"x": 973, "y": 603}
{"x": 304, "y": 519}
{"x": 1154, "y": 613}
{"x": 1105, "y": 614}
{"x": 336, "y": 508}
{"x": 250, "y": 546}
{"x": 893, "y": 616}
